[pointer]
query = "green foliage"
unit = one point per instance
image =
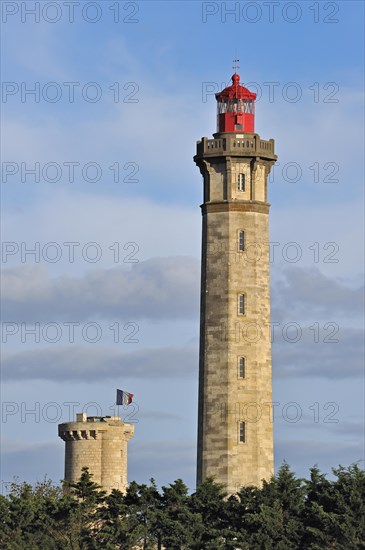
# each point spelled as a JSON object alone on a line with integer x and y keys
{"x": 285, "y": 513}
{"x": 176, "y": 522}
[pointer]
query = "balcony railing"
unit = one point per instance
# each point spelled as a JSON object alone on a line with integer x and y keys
{"x": 247, "y": 145}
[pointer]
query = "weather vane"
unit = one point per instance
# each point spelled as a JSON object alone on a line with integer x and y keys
{"x": 235, "y": 66}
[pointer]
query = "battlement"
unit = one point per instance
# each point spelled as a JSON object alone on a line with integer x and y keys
{"x": 91, "y": 427}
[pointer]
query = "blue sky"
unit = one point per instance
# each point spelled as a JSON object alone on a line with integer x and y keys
{"x": 167, "y": 59}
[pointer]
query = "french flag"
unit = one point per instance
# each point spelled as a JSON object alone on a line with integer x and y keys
{"x": 124, "y": 398}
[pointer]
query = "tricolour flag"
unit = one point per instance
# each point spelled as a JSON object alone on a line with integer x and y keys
{"x": 124, "y": 398}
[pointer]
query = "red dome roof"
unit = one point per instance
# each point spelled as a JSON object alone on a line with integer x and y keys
{"x": 235, "y": 91}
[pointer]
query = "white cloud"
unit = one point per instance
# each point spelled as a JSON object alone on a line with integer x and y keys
{"x": 314, "y": 295}
{"x": 61, "y": 217}
{"x": 339, "y": 358}
{"x": 80, "y": 363}
{"x": 145, "y": 290}
{"x": 324, "y": 235}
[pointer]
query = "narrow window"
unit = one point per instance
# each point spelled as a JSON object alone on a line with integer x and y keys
{"x": 242, "y": 432}
{"x": 241, "y": 182}
{"x": 241, "y": 367}
{"x": 241, "y": 241}
{"x": 241, "y": 304}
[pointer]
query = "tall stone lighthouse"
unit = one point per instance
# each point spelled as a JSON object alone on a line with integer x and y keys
{"x": 235, "y": 430}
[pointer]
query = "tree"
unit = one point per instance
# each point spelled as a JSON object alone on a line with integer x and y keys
{"x": 119, "y": 529}
{"x": 286, "y": 513}
{"x": 349, "y": 507}
{"x": 240, "y": 509}
{"x": 175, "y": 522}
{"x": 29, "y": 520}
{"x": 208, "y": 502}
{"x": 86, "y": 489}
{"x": 318, "y": 515}
{"x": 274, "y": 521}
{"x": 142, "y": 503}
{"x": 5, "y": 522}
{"x": 81, "y": 500}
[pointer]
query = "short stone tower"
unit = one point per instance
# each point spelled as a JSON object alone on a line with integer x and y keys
{"x": 235, "y": 433}
{"x": 100, "y": 443}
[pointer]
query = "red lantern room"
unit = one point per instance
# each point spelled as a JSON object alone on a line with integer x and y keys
{"x": 236, "y": 108}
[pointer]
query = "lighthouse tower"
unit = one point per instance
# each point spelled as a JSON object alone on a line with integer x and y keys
{"x": 235, "y": 432}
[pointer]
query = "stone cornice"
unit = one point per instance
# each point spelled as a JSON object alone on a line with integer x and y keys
{"x": 235, "y": 206}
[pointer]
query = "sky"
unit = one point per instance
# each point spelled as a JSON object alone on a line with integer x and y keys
{"x": 102, "y": 105}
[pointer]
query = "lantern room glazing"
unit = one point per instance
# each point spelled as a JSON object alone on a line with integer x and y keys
{"x": 236, "y": 108}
